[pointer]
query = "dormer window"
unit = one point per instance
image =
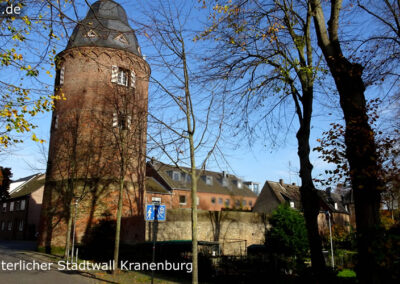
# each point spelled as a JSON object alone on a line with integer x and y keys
{"x": 225, "y": 182}
{"x": 122, "y": 39}
{"x": 91, "y": 34}
{"x": 209, "y": 180}
{"x": 176, "y": 176}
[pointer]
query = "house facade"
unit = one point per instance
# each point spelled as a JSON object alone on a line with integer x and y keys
{"x": 275, "y": 193}
{"x": 216, "y": 191}
{"x": 19, "y": 216}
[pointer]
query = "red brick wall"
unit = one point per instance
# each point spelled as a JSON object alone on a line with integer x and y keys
{"x": 83, "y": 152}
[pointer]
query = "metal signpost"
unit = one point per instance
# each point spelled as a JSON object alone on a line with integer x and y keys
{"x": 155, "y": 213}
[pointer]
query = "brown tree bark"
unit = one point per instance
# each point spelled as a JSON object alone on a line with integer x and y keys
{"x": 309, "y": 197}
{"x": 359, "y": 139}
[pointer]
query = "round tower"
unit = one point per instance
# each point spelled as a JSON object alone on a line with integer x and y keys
{"x": 98, "y": 130}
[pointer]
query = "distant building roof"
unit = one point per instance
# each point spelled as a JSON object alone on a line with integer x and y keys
{"x": 330, "y": 198}
{"x": 209, "y": 181}
{"x": 105, "y": 25}
{"x": 26, "y": 185}
{"x": 275, "y": 193}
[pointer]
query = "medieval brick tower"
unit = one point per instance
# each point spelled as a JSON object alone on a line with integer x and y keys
{"x": 98, "y": 130}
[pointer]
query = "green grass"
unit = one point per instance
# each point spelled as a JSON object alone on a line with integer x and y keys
{"x": 347, "y": 273}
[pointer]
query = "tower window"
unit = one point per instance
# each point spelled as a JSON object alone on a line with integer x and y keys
{"x": 121, "y": 38}
{"x": 122, "y": 121}
{"x": 56, "y": 121}
{"x": 91, "y": 34}
{"x": 62, "y": 71}
{"x": 121, "y": 76}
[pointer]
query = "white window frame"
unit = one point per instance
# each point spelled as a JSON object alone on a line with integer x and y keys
{"x": 3, "y": 225}
{"x": 209, "y": 180}
{"x": 11, "y": 206}
{"x": 22, "y": 204}
{"x": 21, "y": 226}
{"x": 182, "y": 203}
{"x": 336, "y": 206}
{"x": 227, "y": 202}
{"x": 291, "y": 204}
{"x": 4, "y": 207}
{"x": 224, "y": 182}
{"x": 220, "y": 200}
{"x": 9, "y": 227}
{"x": 123, "y": 77}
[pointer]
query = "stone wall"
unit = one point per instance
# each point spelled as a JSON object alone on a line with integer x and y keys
{"x": 234, "y": 230}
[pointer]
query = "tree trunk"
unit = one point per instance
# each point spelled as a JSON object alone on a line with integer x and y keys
{"x": 309, "y": 196}
{"x": 118, "y": 224}
{"x": 195, "y": 278}
{"x": 362, "y": 157}
{"x": 69, "y": 229}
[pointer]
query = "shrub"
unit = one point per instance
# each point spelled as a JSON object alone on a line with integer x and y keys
{"x": 288, "y": 233}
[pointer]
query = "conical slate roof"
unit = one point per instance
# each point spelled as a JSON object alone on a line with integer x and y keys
{"x": 105, "y": 25}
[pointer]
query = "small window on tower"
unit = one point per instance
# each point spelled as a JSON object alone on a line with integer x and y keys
{"x": 91, "y": 34}
{"x": 56, "y": 121}
{"x": 62, "y": 71}
{"x": 121, "y": 121}
{"x": 122, "y": 77}
{"x": 122, "y": 39}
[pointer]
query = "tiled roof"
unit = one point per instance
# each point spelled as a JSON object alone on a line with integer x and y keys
{"x": 106, "y": 21}
{"x": 330, "y": 199}
{"x": 290, "y": 192}
{"x": 231, "y": 188}
{"x": 30, "y": 184}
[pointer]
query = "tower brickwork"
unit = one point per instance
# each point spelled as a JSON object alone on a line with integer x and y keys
{"x": 98, "y": 130}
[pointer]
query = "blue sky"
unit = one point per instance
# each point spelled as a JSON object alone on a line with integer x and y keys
{"x": 258, "y": 163}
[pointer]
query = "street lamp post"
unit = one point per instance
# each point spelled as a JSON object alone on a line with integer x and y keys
{"x": 328, "y": 214}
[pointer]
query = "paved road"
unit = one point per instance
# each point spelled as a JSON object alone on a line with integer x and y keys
{"x": 21, "y": 252}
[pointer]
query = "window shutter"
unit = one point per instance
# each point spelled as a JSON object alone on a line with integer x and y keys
{"x": 62, "y": 75}
{"x": 115, "y": 120}
{"x": 129, "y": 121}
{"x": 114, "y": 74}
{"x": 133, "y": 79}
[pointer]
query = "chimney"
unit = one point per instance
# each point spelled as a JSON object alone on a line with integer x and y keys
{"x": 223, "y": 174}
{"x": 281, "y": 181}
